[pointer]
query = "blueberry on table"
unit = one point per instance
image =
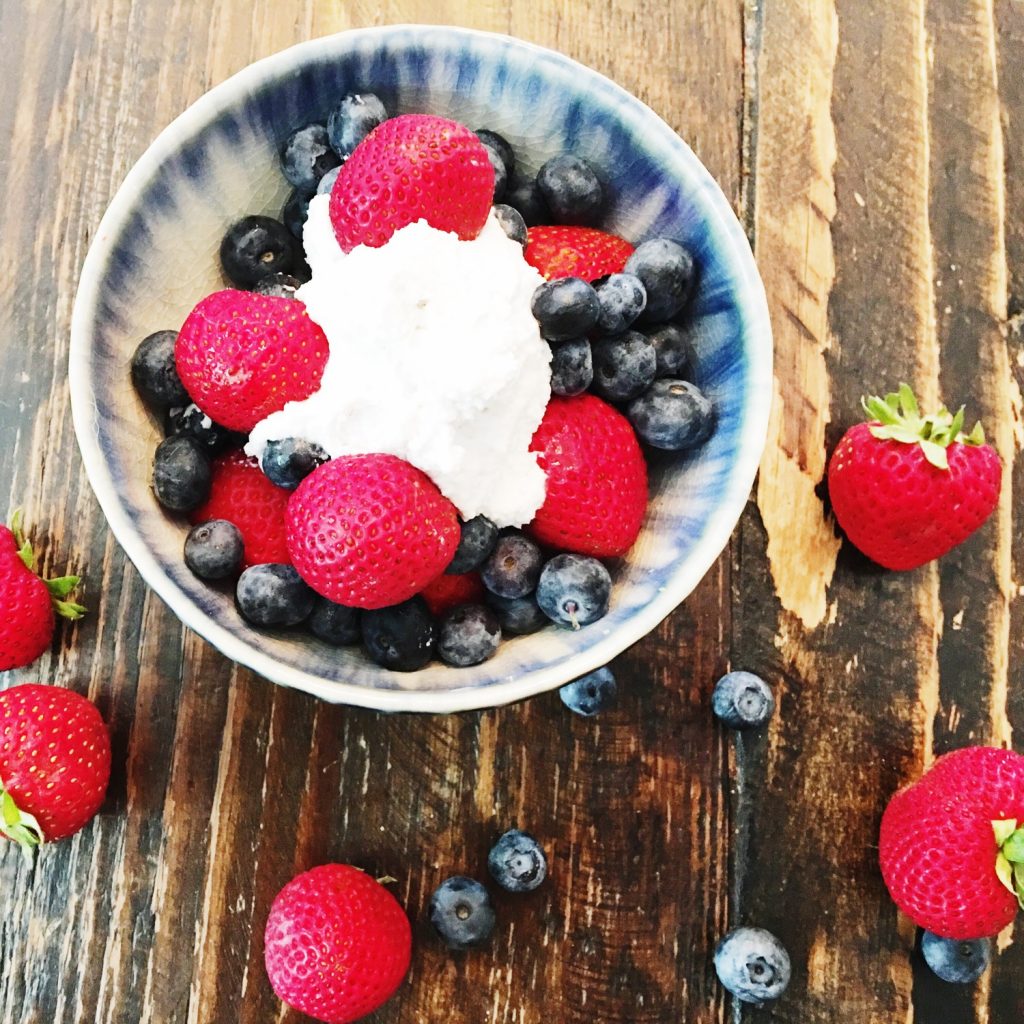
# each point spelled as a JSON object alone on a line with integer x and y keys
{"x": 511, "y": 221}
{"x": 566, "y": 308}
{"x": 572, "y": 367}
{"x": 272, "y": 595}
{"x": 574, "y": 590}
{"x": 518, "y": 616}
{"x": 307, "y": 156}
{"x": 517, "y": 862}
{"x": 622, "y": 298}
{"x": 191, "y": 421}
{"x": 742, "y": 700}
{"x": 401, "y": 637}
{"x": 526, "y": 197}
{"x": 672, "y": 414}
{"x": 673, "y": 349}
{"x": 287, "y": 461}
{"x": 214, "y": 549}
{"x": 500, "y": 145}
{"x": 294, "y": 213}
{"x": 254, "y": 248}
{"x": 468, "y": 635}
{"x": 753, "y": 965}
{"x": 513, "y": 567}
{"x": 155, "y": 374}
{"x": 667, "y": 272}
{"x": 461, "y": 911}
{"x": 352, "y": 120}
{"x": 476, "y": 541}
{"x": 571, "y": 189}
{"x": 624, "y": 366}
{"x": 181, "y": 474}
{"x": 590, "y": 694}
{"x": 959, "y": 962}
{"x": 335, "y": 624}
{"x": 279, "y": 286}
{"x": 326, "y": 183}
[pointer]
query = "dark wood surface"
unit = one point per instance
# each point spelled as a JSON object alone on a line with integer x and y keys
{"x": 875, "y": 153}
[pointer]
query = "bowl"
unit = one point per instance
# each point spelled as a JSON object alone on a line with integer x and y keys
{"x": 155, "y": 256}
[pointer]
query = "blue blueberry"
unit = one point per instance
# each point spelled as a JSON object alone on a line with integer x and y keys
{"x": 214, "y": 549}
{"x": 572, "y": 367}
{"x": 565, "y": 308}
{"x": 513, "y": 567}
{"x": 517, "y": 862}
{"x": 742, "y": 700}
{"x": 461, "y": 911}
{"x": 622, "y": 298}
{"x": 518, "y": 616}
{"x": 753, "y": 965}
{"x": 527, "y": 198}
{"x": 254, "y": 248}
{"x": 468, "y": 635}
{"x": 273, "y": 595}
{"x": 326, "y": 183}
{"x": 673, "y": 349}
{"x": 672, "y": 414}
{"x": 502, "y": 172}
{"x": 572, "y": 190}
{"x": 574, "y": 590}
{"x": 294, "y": 213}
{"x": 333, "y": 623}
{"x": 287, "y": 461}
{"x": 307, "y": 156}
{"x": 476, "y": 541}
{"x": 155, "y": 374}
{"x": 959, "y": 962}
{"x": 668, "y": 274}
{"x": 511, "y": 221}
{"x": 501, "y": 146}
{"x": 624, "y": 366}
{"x": 402, "y": 637}
{"x": 352, "y": 120}
{"x": 181, "y": 474}
{"x": 280, "y": 286}
{"x": 191, "y": 421}
{"x": 591, "y": 693}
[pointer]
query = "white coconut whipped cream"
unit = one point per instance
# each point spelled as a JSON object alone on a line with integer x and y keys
{"x": 435, "y": 358}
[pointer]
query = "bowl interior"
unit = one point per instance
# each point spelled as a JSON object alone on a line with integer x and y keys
{"x": 155, "y": 256}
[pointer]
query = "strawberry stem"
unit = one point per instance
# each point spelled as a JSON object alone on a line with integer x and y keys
{"x": 19, "y": 825}
{"x": 1010, "y": 858}
{"x": 59, "y": 587}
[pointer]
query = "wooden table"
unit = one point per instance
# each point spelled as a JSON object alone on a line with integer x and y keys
{"x": 875, "y": 153}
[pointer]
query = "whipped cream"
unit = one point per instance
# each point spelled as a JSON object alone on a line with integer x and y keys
{"x": 435, "y": 358}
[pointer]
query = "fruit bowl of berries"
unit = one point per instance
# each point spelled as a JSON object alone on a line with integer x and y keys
{"x": 420, "y": 368}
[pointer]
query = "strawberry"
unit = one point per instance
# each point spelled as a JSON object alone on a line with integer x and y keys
{"x": 596, "y": 492}
{"x": 562, "y": 251}
{"x": 369, "y": 531}
{"x": 241, "y": 494}
{"x": 410, "y": 168}
{"x": 951, "y": 847}
{"x": 448, "y": 592}
{"x": 242, "y": 356}
{"x": 54, "y": 763}
{"x": 28, "y": 605}
{"x": 907, "y": 488}
{"x": 337, "y": 944}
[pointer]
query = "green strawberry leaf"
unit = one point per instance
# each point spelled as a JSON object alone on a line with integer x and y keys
{"x": 62, "y": 585}
{"x": 976, "y": 436}
{"x": 935, "y": 454}
{"x": 1004, "y": 829}
{"x": 908, "y": 403}
{"x": 19, "y": 825}
{"x": 1018, "y": 879}
{"x": 1004, "y": 871}
{"x": 1013, "y": 848}
{"x": 69, "y": 609}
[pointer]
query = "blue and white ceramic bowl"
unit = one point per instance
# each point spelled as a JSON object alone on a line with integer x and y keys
{"x": 155, "y": 256}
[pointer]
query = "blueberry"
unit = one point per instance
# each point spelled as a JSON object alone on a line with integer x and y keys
{"x": 214, "y": 549}
{"x": 527, "y": 198}
{"x": 574, "y": 590}
{"x": 517, "y": 862}
{"x": 254, "y": 248}
{"x": 667, "y": 272}
{"x": 753, "y": 965}
{"x": 468, "y": 635}
{"x": 307, "y": 156}
{"x": 476, "y": 542}
{"x": 181, "y": 474}
{"x": 288, "y": 461}
{"x": 273, "y": 595}
{"x": 591, "y": 693}
{"x": 672, "y": 414}
{"x": 352, "y": 120}
{"x": 500, "y": 145}
{"x": 294, "y": 213}
{"x": 461, "y": 911}
{"x": 673, "y": 349}
{"x": 958, "y": 962}
{"x": 622, "y": 299}
{"x": 155, "y": 374}
{"x": 518, "y": 616}
{"x": 624, "y": 366}
{"x": 572, "y": 190}
{"x": 513, "y": 567}
{"x": 333, "y": 623}
{"x": 742, "y": 700}
{"x": 280, "y": 286}
{"x": 501, "y": 170}
{"x": 565, "y": 308}
{"x": 401, "y": 637}
{"x": 326, "y": 183}
{"x": 572, "y": 367}
{"x": 191, "y": 421}
{"x": 511, "y": 221}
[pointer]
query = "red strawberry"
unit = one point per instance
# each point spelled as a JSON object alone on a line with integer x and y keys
{"x": 370, "y": 531}
{"x": 596, "y": 491}
{"x": 561, "y": 251}
{"x": 337, "y": 944}
{"x": 413, "y": 167}
{"x": 54, "y": 763}
{"x": 907, "y": 488}
{"x": 952, "y": 844}
{"x": 242, "y": 356}
{"x": 28, "y": 605}
{"x": 448, "y": 592}
{"x": 241, "y": 494}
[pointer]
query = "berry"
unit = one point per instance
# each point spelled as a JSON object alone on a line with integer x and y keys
{"x": 280, "y": 286}
{"x": 181, "y": 474}
{"x": 513, "y": 567}
{"x": 566, "y": 308}
{"x": 518, "y": 616}
{"x": 667, "y": 272}
{"x": 572, "y": 190}
{"x": 742, "y": 700}
{"x": 590, "y": 694}
{"x": 256, "y": 248}
{"x": 574, "y": 590}
{"x": 54, "y": 763}
{"x": 950, "y": 848}
{"x": 337, "y": 944}
{"x": 622, "y": 298}
{"x": 448, "y": 592}
{"x": 412, "y": 167}
{"x": 572, "y": 367}
{"x": 154, "y": 373}
{"x": 511, "y": 221}
{"x": 501, "y": 147}
{"x": 326, "y": 183}
{"x": 307, "y": 156}
{"x": 468, "y": 635}
{"x": 295, "y": 212}
{"x": 502, "y": 171}
{"x": 191, "y": 421}
{"x": 672, "y": 414}
{"x": 288, "y": 461}
{"x": 334, "y": 623}
{"x": 476, "y": 541}
{"x": 517, "y": 862}
{"x": 369, "y": 531}
{"x": 596, "y": 488}
{"x": 624, "y": 366}
{"x": 214, "y": 549}
{"x": 461, "y": 911}
{"x": 401, "y": 637}
{"x": 673, "y": 349}
{"x": 561, "y": 251}
{"x": 958, "y": 962}
{"x": 273, "y": 594}
{"x": 352, "y": 120}
{"x": 753, "y": 965}
{"x": 526, "y": 197}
